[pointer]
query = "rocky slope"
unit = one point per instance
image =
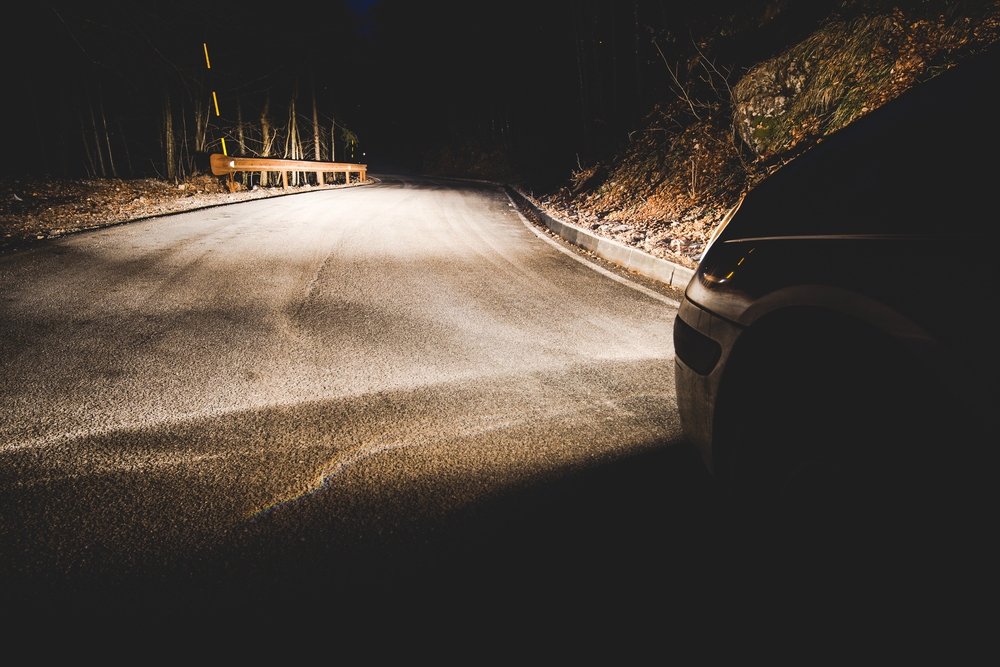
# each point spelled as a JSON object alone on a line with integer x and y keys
{"x": 670, "y": 187}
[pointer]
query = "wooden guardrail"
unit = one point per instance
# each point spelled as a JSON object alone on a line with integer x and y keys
{"x": 224, "y": 164}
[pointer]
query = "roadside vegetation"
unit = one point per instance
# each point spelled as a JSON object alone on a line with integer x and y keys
{"x": 643, "y": 121}
{"x": 724, "y": 130}
{"x": 34, "y": 209}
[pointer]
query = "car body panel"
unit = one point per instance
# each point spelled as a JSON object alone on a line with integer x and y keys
{"x": 891, "y": 222}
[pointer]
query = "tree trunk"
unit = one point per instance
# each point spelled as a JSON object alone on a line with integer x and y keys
{"x": 316, "y": 154}
{"x": 638, "y": 59}
{"x": 169, "y": 146}
{"x": 128, "y": 156}
{"x": 614, "y": 64}
{"x": 266, "y": 139}
{"x": 107, "y": 138}
{"x": 598, "y": 80}
{"x": 239, "y": 128}
{"x": 315, "y": 127}
{"x": 201, "y": 113}
{"x": 580, "y": 64}
{"x": 97, "y": 140}
{"x": 292, "y": 139}
{"x": 184, "y": 163}
{"x": 90, "y": 166}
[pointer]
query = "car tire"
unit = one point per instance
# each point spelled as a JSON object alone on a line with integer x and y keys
{"x": 826, "y": 434}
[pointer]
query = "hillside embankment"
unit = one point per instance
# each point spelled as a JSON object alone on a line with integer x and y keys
{"x": 667, "y": 189}
{"x": 670, "y": 187}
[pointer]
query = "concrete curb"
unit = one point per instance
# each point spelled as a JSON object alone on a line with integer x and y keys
{"x": 632, "y": 259}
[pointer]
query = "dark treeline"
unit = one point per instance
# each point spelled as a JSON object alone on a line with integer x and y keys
{"x": 122, "y": 89}
{"x": 562, "y": 81}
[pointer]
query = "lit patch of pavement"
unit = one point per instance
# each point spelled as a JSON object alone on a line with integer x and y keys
{"x": 190, "y": 393}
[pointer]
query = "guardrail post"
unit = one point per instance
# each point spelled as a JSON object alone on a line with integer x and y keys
{"x": 223, "y": 165}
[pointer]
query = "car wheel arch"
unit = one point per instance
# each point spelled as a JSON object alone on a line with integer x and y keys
{"x": 797, "y": 335}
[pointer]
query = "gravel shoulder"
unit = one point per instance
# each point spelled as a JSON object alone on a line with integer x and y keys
{"x": 36, "y": 209}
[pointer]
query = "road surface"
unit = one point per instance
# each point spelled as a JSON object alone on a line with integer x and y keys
{"x": 395, "y": 383}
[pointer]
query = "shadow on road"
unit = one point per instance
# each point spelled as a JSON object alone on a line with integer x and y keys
{"x": 635, "y": 522}
{"x": 637, "y": 529}
{"x": 638, "y": 550}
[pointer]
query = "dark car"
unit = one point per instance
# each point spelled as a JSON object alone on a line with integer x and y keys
{"x": 836, "y": 350}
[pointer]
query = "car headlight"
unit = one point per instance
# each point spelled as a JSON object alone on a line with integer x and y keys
{"x": 722, "y": 226}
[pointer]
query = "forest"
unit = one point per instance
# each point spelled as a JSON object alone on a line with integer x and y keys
{"x": 140, "y": 89}
{"x": 510, "y": 90}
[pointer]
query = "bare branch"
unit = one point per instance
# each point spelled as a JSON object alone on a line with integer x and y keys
{"x": 680, "y": 90}
{"x": 712, "y": 71}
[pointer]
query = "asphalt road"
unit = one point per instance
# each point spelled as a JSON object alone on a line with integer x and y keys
{"x": 360, "y": 412}
{"x": 392, "y": 388}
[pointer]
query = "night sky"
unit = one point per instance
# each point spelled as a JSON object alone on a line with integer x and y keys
{"x": 548, "y": 82}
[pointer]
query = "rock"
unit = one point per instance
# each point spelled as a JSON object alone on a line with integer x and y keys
{"x": 815, "y": 87}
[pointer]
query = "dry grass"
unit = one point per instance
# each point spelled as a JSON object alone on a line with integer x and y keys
{"x": 35, "y": 209}
{"x": 669, "y": 189}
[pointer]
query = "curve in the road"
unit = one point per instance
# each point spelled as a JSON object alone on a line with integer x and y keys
{"x": 351, "y": 361}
